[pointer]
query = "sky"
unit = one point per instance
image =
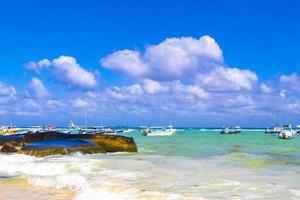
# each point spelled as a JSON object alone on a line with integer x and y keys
{"x": 190, "y": 63}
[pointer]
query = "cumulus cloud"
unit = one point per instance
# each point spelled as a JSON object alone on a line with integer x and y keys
{"x": 66, "y": 70}
{"x": 38, "y": 89}
{"x": 172, "y": 59}
{"x": 154, "y": 87}
{"x": 7, "y": 93}
{"x": 80, "y": 103}
{"x": 38, "y": 66}
{"x": 290, "y": 82}
{"x": 227, "y": 79}
{"x": 265, "y": 88}
{"x": 186, "y": 58}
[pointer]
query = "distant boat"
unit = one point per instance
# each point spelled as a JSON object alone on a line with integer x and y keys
{"x": 287, "y": 132}
{"x": 298, "y": 128}
{"x": 50, "y": 127}
{"x": 231, "y": 130}
{"x": 9, "y": 129}
{"x": 98, "y": 129}
{"x": 159, "y": 131}
{"x": 34, "y": 129}
{"x": 72, "y": 128}
{"x": 274, "y": 130}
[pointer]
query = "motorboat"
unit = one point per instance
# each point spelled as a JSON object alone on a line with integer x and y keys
{"x": 159, "y": 131}
{"x": 287, "y": 132}
{"x": 274, "y": 130}
{"x": 98, "y": 129}
{"x": 231, "y": 130}
{"x": 9, "y": 130}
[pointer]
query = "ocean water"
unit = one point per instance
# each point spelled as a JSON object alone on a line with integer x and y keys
{"x": 192, "y": 164}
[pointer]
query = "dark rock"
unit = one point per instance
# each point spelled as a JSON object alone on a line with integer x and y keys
{"x": 16, "y": 139}
{"x": 115, "y": 143}
{"x": 8, "y": 148}
{"x": 110, "y": 143}
{"x": 61, "y": 147}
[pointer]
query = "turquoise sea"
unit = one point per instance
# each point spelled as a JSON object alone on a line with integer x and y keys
{"x": 192, "y": 164}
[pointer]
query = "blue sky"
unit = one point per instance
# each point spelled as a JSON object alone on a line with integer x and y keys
{"x": 256, "y": 42}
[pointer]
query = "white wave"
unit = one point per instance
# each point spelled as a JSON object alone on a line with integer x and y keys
{"x": 73, "y": 172}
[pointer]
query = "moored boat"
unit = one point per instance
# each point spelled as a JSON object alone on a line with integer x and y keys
{"x": 159, "y": 131}
{"x": 231, "y": 130}
{"x": 98, "y": 129}
{"x": 274, "y": 130}
{"x": 9, "y": 130}
{"x": 287, "y": 132}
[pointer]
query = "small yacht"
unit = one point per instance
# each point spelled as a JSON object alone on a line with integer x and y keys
{"x": 287, "y": 132}
{"x": 231, "y": 130}
{"x": 159, "y": 131}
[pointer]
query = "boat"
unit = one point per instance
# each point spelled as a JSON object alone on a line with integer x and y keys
{"x": 34, "y": 129}
{"x": 231, "y": 130}
{"x": 298, "y": 129}
{"x": 159, "y": 131}
{"x": 50, "y": 127}
{"x": 9, "y": 130}
{"x": 274, "y": 130}
{"x": 287, "y": 132}
{"x": 98, "y": 129}
{"x": 72, "y": 128}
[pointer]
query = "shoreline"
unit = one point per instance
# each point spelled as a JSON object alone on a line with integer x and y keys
{"x": 19, "y": 188}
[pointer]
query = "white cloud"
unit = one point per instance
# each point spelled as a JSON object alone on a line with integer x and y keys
{"x": 37, "y": 87}
{"x": 173, "y": 59}
{"x": 126, "y": 61}
{"x": 66, "y": 70}
{"x": 153, "y": 87}
{"x": 265, "y": 88}
{"x": 290, "y": 82}
{"x": 227, "y": 79}
{"x": 38, "y": 66}
{"x": 185, "y": 58}
{"x": 7, "y": 93}
{"x": 80, "y": 103}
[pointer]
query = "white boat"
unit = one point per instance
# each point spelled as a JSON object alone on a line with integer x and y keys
{"x": 298, "y": 129}
{"x": 274, "y": 130}
{"x": 34, "y": 129}
{"x": 98, "y": 129}
{"x": 159, "y": 131}
{"x": 287, "y": 132}
{"x": 231, "y": 130}
{"x": 9, "y": 130}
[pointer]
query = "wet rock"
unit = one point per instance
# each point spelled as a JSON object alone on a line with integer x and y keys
{"x": 62, "y": 147}
{"x": 115, "y": 143}
{"x": 110, "y": 143}
{"x": 16, "y": 139}
{"x": 8, "y": 148}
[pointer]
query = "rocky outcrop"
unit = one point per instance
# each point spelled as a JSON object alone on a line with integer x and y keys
{"x": 110, "y": 143}
{"x": 114, "y": 143}
{"x": 61, "y": 147}
{"x": 16, "y": 139}
{"x": 8, "y": 148}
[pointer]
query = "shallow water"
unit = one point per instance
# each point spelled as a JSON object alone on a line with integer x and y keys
{"x": 192, "y": 164}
